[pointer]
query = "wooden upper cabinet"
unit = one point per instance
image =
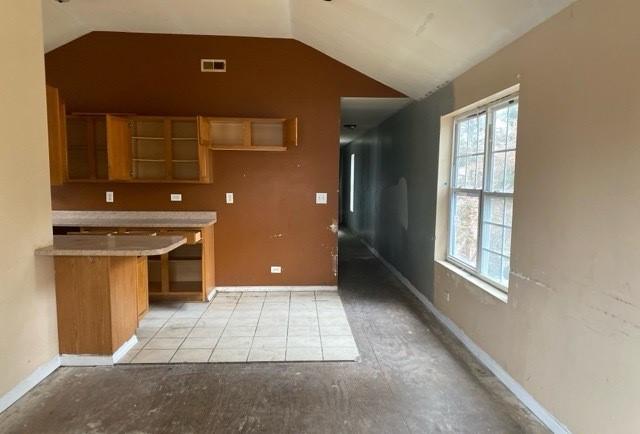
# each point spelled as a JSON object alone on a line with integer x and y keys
{"x": 93, "y": 147}
{"x": 291, "y": 132}
{"x": 87, "y": 147}
{"x": 204, "y": 153}
{"x": 248, "y": 134}
{"x": 118, "y": 148}
{"x": 167, "y": 149}
{"x": 57, "y": 137}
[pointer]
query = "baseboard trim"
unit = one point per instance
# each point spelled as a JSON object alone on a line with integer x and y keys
{"x": 124, "y": 349}
{"x": 546, "y": 417}
{"x": 211, "y": 294}
{"x": 98, "y": 360}
{"x": 32, "y": 380}
{"x": 294, "y": 288}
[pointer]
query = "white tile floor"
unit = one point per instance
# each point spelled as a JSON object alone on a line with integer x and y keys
{"x": 247, "y": 327}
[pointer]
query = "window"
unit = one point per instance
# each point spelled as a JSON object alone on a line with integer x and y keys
{"x": 352, "y": 181}
{"x": 482, "y": 179}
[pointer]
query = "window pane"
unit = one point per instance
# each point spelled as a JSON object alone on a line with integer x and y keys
{"x": 479, "y": 171}
{"x": 494, "y": 209}
{"x": 500, "y": 128}
{"x": 505, "y": 271}
{"x": 492, "y": 237}
{"x": 473, "y": 135}
{"x": 471, "y": 157}
{"x": 352, "y": 182}
{"x": 462, "y": 139}
{"x": 461, "y": 170}
{"x": 470, "y": 135}
{"x": 508, "y": 211}
{"x": 497, "y": 224}
{"x": 470, "y": 140}
{"x": 469, "y": 172}
{"x": 482, "y": 123}
{"x": 496, "y": 238}
{"x": 497, "y": 172}
{"x": 510, "y": 171}
{"x": 465, "y": 227}
{"x": 512, "y": 125}
{"x": 506, "y": 249}
{"x": 492, "y": 266}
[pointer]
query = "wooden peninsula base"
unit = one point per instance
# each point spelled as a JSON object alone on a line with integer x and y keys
{"x": 101, "y": 287}
{"x": 97, "y": 303}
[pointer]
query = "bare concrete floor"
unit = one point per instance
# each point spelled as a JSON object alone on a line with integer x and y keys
{"x": 413, "y": 378}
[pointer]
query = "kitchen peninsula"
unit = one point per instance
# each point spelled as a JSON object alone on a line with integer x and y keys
{"x": 101, "y": 292}
{"x": 186, "y": 273}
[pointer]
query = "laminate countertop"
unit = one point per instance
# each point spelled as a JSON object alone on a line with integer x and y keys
{"x": 134, "y": 219}
{"x": 106, "y": 245}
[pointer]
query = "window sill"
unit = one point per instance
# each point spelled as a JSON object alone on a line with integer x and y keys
{"x": 475, "y": 281}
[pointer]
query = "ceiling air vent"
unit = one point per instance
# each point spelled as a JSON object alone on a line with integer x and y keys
{"x": 213, "y": 65}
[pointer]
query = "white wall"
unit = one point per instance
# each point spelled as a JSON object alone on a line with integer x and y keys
{"x": 570, "y": 331}
{"x": 28, "y": 333}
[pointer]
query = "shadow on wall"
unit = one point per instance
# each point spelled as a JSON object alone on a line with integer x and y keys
{"x": 396, "y": 175}
{"x": 396, "y": 199}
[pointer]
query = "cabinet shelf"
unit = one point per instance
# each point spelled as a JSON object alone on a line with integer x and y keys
{"x": 147, "y": 160}
{"x": 248, "y": 134}
{"x": 250, "y": 148}
{"x": 146, "y": 138}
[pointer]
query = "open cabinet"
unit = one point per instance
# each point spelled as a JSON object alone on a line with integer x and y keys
{"x": 186, "y": 273}
{"x": 57, "y": 136}
{"x": 87, "y": 147}
{"x": 248, "y": 134}
{"x": 156, "y": 149}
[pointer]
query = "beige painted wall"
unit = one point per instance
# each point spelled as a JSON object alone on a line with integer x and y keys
{"x": 28, "y": 334}
{"x": 570, "y": 331}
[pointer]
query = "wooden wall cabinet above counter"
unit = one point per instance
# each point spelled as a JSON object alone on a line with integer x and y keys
{"x": 105, "y": 147}
{"x": 57, "y": 136}
{"x": 101, "y": 147}
{"x": 248, "y": 134}
{"x": 156, "y": 149}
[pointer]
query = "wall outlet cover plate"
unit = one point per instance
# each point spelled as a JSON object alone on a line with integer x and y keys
{"x": 176, "y": 197}
{"x": 276, "y": 269}
{"x": 321, "y": 198}
{"x": 228, "y": 197}
{"x": 109, "y": 196}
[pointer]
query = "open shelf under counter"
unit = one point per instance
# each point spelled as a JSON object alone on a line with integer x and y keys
{"x": 185, "y": 273}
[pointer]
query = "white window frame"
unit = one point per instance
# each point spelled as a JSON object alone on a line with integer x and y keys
{"x": 480, "y": 193}
{"x": 352, "y": 172}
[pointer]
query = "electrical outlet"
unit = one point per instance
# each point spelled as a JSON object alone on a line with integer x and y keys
{"x": 321, "y": 198}
{"x": 176, "y": 197}
{"x": 448, "y": 297}
{"x": 276, "y": 269}
{"x": 109, "y": 196}
{"x": 229, "y": 197}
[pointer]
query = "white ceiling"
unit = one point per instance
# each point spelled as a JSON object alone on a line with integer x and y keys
{"x": 366, "y": 113}
{"x": 64, "y": 22}
{"x": 413, "y": 46}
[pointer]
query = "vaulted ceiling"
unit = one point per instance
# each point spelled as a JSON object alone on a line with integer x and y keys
{"x": 413, "y": 46}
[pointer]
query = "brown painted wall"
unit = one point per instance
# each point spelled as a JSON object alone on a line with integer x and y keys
{"x": 274, "y": 220}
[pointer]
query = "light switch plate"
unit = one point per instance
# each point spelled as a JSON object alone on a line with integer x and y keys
{"x": 109, "y": 196}
{"x": 229, "y": 197}
{"x": 176, "y": 197}
{"x": 321, "y": 198}
{"x": 276, "y": 269}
